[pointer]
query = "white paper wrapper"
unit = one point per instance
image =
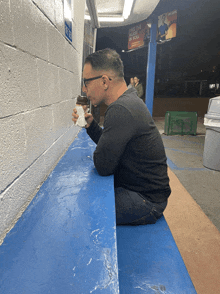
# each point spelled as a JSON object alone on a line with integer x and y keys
{"x": 81, "y": 122}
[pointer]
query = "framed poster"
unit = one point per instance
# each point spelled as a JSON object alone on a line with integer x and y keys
{"x": 167, "y": 23}
{"x": 138, "y": 35}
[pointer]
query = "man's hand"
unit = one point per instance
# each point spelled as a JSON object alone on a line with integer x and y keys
{"x": 88, "y": 116}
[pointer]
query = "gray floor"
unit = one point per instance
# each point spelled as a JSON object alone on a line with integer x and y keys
{"x": 185, "y": 158}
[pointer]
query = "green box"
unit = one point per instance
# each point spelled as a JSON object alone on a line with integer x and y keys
{"x": 180, "y": 123}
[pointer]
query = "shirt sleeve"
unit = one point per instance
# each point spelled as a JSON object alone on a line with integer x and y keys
{"x": 94, "y": 131}
{"x": 118, "y": 130}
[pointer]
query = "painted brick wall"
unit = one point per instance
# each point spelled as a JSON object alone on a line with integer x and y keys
{"x": 40, "y": 73}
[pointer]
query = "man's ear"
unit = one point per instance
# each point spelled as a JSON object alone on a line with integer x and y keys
{"x": 105, "y": 81}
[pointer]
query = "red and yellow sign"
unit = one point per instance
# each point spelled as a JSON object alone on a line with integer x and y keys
{"x": 138, "y": 35}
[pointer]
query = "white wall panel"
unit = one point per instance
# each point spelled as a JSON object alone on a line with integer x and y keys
{"x": 78, "y": 23}
{"x": 39, "y": 79}
{"x": 47, "y": 7}
{"x": 71, "y": 58}
{"x": 63, "y": 116}
{"x": 59, "y": 17}
{"x": 67, "y": 79}
{"x": 6, "y": 31}
{"x": 56, "y": 43}
{"x": 12, "y": 149}
{"x": 20, "y": 193}
{"x": 18, "y": 82}
{"x": 49, "y": 85}
{"x": 38, "y": 123}
{"x": 54, "y": 152}
{"x": 30, "y": 28}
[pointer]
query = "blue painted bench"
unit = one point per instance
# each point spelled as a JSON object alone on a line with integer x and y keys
{"x": 65, "y": 242}
{"x": 149, "y": 261}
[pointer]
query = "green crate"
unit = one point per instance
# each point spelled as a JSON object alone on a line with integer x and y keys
{"x": 180, "y": 123}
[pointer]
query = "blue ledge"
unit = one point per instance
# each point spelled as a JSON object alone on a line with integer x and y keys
{"x": 65, "y": 242}
{"x": 149, "y": 261}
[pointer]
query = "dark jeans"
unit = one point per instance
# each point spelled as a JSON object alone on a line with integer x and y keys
{"x": 133, "y": 209}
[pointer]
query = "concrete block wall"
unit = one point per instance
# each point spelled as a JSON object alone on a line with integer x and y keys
{"x": 40, "y": 77}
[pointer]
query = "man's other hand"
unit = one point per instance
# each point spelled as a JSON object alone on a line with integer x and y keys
{"x": 88, "y": 116}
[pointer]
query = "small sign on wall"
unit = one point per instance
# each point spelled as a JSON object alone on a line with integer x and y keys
{"x": 68, "y": 19}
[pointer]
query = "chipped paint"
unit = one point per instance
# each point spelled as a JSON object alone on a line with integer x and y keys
{"x": 65, "y": 241}
{"x": 149, "y": 261}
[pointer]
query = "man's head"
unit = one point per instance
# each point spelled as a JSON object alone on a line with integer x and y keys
{"x": 131, "y": 81}
{"x": 163, "y": 18}
{"x": 136, "y": 80}
{"x": 103, "y": 74}
{"x": 106, "y": 60}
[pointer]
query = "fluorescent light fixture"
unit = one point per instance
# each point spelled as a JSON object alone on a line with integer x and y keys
{"x": 111, "y": 19}
{"x": 127, "y": 8}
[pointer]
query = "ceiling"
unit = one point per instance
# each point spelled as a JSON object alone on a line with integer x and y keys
{"x": 141, "y": 9}
{"x": 195, "y": 50}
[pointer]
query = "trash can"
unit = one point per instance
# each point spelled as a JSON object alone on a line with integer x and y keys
{"x": 211, "y": 155}
{"x": 180, "y": 123}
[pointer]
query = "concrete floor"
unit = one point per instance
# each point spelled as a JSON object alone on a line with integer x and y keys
{"x": 193, "y": 208}
{"x": 185, "y": 159}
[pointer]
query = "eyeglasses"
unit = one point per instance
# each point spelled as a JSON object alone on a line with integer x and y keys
{"x": 91, "y": 79}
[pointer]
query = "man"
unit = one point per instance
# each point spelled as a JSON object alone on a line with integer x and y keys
{"x": 163, "y": 28}
{"x": 129, "y": 146}
{"x": 138, "y": 87}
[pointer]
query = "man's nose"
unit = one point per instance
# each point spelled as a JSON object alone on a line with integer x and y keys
{"x": 84, "y": 89}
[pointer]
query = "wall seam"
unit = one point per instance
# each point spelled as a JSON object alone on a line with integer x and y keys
{"x": 40, "y": 107}
{"x": 45, "y": 151}
{"x": 53, "y": 23}
{"x": 37, "y": 57}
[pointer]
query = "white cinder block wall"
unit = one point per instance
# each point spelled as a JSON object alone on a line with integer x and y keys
{"x": 40, "y": 75}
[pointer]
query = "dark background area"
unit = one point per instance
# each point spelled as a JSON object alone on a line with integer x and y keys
{"x": 193, "y": 55}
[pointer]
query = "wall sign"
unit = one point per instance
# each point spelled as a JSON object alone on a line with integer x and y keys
{"x": 67, "y": 7}
{"x": 167, "y": 26}
{"x": 138, "y": 35}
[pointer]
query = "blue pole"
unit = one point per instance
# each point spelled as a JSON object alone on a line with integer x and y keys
{"x": 152, "y": 49}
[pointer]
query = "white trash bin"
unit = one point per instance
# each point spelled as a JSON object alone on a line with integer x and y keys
{"x": 211, "y": 155}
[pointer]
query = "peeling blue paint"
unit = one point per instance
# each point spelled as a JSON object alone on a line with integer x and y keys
{"x": 149, "y": 261}
{"x": 65, "y": 242}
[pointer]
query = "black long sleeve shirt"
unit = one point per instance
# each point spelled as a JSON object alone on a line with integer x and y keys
{"x": 130, "y": 147}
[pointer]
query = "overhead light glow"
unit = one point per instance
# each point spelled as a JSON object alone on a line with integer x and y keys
{"x": 86, "y": 16}
{"x": 127, "y": 8}
{"x": 67, "y": 10}
{"x": 111, "y": 19}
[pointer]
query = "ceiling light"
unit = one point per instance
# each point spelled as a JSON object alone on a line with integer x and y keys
{"x": 127, "y": 8}
{"x": 111, "y": 19}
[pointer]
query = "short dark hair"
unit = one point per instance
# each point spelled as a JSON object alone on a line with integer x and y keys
{"x": 106, "y": 59}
